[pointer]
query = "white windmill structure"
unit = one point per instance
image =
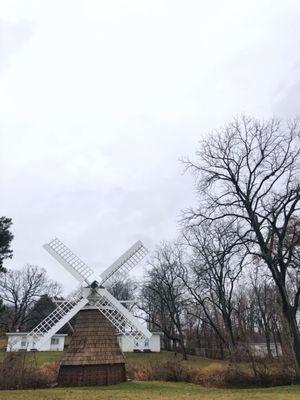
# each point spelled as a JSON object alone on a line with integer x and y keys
{"x": 93, "y": 295}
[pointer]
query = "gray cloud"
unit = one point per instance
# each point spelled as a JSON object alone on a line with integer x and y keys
{"x": 13, "y": 37}
{"x": 98, "y": 105}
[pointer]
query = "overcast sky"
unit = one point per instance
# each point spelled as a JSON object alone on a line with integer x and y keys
{"x": 99, "y": 100}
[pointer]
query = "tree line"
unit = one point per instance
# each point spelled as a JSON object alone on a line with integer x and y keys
{"x": 234, "y": 271}
{"x": 27, "y": 295}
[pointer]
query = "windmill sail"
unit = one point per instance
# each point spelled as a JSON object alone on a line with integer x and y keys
{"x": 54, "y": 321}
{"x": 120, "y": 317}
{"x": 97, "y": 297}
{"x": 69, "y": 260}
{"x": 120, "y": 268}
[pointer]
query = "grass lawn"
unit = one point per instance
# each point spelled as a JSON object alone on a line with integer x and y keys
{"x": 43, "y": 357}
{"x": 153, "y": 391}
{"x": 144, "y": 358}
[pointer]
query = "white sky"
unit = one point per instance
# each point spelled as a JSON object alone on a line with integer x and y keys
{"x": 99, "y": 99}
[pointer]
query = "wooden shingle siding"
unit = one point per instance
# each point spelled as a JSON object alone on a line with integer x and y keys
{"x": 93, "y": 356}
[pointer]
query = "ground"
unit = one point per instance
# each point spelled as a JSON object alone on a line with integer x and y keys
{"x": 147, "y": 390}
{"x": 153, "y": 391}
{"x": 43, "y": 357}
{"x": 193, "y": 361}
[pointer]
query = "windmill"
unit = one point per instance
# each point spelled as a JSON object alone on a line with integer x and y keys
{"x": 93, "y": 356}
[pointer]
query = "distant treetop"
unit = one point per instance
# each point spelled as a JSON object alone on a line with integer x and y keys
{"x": 5, "y": 240}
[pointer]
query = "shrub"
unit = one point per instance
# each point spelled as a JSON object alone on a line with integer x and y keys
{"x": 140, "y": 372}
{"x": 160, "y": 371}
{"x": 48, "y": 373}
{"x": 235, "y": 375}
{"x": 211, "y": 376}
{"x": 215, "y": 375}
{"x": 18, "y": 371}
{"x": 172, "y": 371}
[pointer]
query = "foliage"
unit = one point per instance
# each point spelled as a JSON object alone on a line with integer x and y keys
{"x": 40, "y": 310}
{"x": 5, "y": 251}
{"x": 5, "y": 240}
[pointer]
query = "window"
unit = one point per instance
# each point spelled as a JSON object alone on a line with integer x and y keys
{"x": 23, "y": 341}
{"x": 54, "y": 341}
{"x": 147, "y": 343}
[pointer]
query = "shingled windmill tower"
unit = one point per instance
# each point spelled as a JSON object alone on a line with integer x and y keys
{"x": 93, "y": 356}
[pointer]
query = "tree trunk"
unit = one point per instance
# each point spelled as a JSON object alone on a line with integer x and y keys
{"x": 276, "y": 344}
{"x": 181, "y": 340}
{"x": 182, "y": 345}
{"x": 221, "y": 350}
{"x": 268, "y": 342}
{"x": 230, "y": 337}
{"x": 290, "y": 316}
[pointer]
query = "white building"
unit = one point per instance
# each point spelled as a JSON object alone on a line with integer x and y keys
{"x": 18, "y": 341}
{"x": 152, "y": 344}
{"x": 261, "y": 350}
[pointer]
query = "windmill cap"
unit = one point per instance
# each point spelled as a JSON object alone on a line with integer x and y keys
{"x": 94, "y": 284}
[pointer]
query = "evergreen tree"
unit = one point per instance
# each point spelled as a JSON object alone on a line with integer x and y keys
{"x": 43, "y": 307}
{"x": 5, "y": 240}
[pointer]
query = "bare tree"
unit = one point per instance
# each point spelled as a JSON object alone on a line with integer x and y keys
{"x": 266, "y": 297}
{"x": 20, "y": 289}
{"x": 250, "y": 171}
{"x": 163, "y": 282}
{"x": 123, "y": 290}
{"x": 215, "y": 266}
{"x": 156, "y": 313}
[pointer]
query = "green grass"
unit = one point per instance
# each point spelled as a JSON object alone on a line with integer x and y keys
{"x": 144, "y": 358}
{"x": 43, "y": 357}
{"x": 40, "y": 357}
{"x": 153, "y": 391}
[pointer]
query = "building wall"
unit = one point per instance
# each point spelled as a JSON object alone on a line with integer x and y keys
{"x": 261, "y": 350}
{"x": 19, "y": 342}
{"x": 152, "y": 344}
{"x": 59, "y": 343}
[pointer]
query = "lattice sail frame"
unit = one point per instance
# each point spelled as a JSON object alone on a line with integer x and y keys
{"x": 56, "y": 320}
{"x": 120, "y": 317}
{"x": 69, "y": 260}
{"x": 108, "y": 305}
{"x": 124, "y": 264}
